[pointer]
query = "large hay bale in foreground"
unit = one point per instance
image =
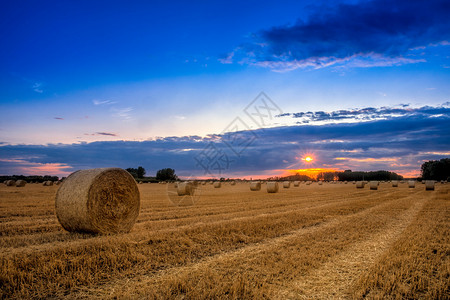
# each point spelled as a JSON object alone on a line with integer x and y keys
{"x": 102, "y": 200}
{"x": 20, "y": 183}
{"x": 374, "y": 185}
{"x": 360, "y": 184}
{"x": 411, "y": 184}
{"x": 217, "y": 184}
{"x": 429, "y": 185}
{"x": 272, "y": 187}
{"x": 255, "y": 186}
{"x": 286, "y": 184}
{"x": 185, "y": 188}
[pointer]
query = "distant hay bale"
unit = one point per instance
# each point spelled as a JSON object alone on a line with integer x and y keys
{"x": 411, "y": 184}
{"x": 233, "y": 182}
{"x": 286, "y": 184}
{"x": 10, "y": 183}
{"x": 58, "y": 182}
{"x": 296, "y": 183}
{"x": 185, "y": 188}
{"x": 47, "y": 183}
{"x": 374, "y": 185}
{"x": 104, "y": 200}
{"x": 203, "y": 182}
{"x": 320, "y": 183}
{"x": 272, "y": 187}
{"x": 217, "y": 184}
{"x": 394, "y": 183}
{"x": 20, "y": 183}
{"x": 140, "y": 182}
{"x": 255, "y": 186}
{"x": 308, "y": 182}
{"x": 360, "y": 184}
{"x": 429, "y": 185}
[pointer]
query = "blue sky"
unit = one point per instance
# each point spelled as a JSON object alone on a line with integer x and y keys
{"x": 87, "y": 76}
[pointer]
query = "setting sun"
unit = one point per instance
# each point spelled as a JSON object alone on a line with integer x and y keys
{"x": 307, "y": 158}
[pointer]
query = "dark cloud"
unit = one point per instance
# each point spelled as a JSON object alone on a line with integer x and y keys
{"x": 398, "y": 144}
{"x": 368, "y": 114}
{"x": 367, "y": 33}
{"x": 102, "y": 133}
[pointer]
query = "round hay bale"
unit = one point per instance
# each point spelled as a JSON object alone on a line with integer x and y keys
{"x": 58, "y": 182}
{"x": 374, "y": 185}
{"x": 360, "y": 184}
{"x": 394, "y": 183}
{"x": 411, "y": 184}
{"x": 233, "y": 182}
{"x": 296, "y": 183}
{"x": 217, "y": 184}
{"x": 272, "y": 187}
{"x": 20, "y": 183}
{"x": 320, "y": 183}
{"x": 429, "y": 185}
{"x": 185, "y": 188}
{"x": 255, "y": 186}
{"x": 104, "y": 200}
{"x": 48, "y": 183}
{"x": 286, "y": 184}
{"x": 10, "y": 183}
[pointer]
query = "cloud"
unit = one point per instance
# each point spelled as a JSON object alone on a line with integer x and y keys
{"x": 400, "y": 144}
{"x": 368, "y": 114}
{"x": 37, "y": 87}
{"x": 362, "y": 34}
{"x": 122, "y": 113}
{"x": 103, "y": 102}
{"x": 58, "y": 118}
{"x": 102, "y": 134}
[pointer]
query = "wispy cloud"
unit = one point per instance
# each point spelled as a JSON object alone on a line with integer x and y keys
{"x": 103, "y": 102}
{"x": 37, "y": 87}
{"x": 58, "y": 118}
{"x": 122, "y": 113}
{"x": 362, "y": 34}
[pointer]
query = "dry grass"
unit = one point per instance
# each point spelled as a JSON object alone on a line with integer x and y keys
{"x": 235, "y": 243}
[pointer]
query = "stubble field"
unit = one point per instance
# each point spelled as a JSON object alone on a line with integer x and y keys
{"x": 321, "y": 242}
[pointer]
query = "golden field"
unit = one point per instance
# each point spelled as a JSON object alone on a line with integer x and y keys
{"x": 308, "y": 242}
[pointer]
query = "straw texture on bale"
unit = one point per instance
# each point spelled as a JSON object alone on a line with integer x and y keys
{"x": 394, "y": 183}
{"x": 217, "y": 184}
{"x": 272, "y": 187}
{"x": 411, "y": 184}
{"x": 429, "y": 185}
{"x": 255, "y": 186}
{"x": 360, "y": 184}
{"x": 296, "y": 183}
{"x": 286, "y": 184}
{"x": 10, "y": 183}
{"x": 104, "y": 200}
{"x": 20, "y": 183}
{"x": 185, "y": 188}
{"x": 374, "y": 185}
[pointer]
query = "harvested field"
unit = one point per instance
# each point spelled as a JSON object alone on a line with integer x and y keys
{"x": 321, "y": 242}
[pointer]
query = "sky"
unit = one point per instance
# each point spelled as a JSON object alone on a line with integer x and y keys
{"x": 223, "y": 88}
